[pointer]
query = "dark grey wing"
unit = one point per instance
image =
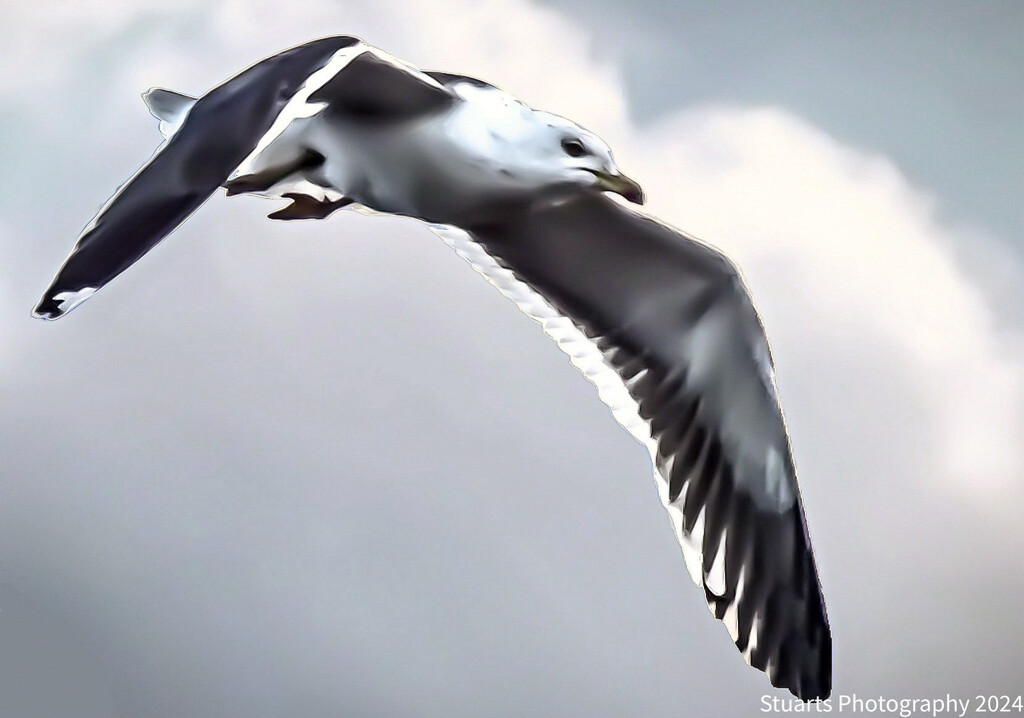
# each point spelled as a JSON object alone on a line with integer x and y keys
{"x": 378, "y": 88}
{"x": 220, "y": 131}
{"x": 372, "y": 87}
{"x": 665, "y": 329}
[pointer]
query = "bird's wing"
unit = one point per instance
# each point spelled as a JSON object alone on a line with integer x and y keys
{"x": 663, "y": 326}
{"x": 379, "y": 87}
{"x": 219, "y": 131}
{"x": 372, "y": 87}
{"x": 449, "y": 79}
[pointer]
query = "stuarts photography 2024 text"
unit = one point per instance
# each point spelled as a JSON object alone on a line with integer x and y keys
{"x": 947, "y": 705}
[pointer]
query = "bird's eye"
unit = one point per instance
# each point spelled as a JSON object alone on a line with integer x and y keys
{"x": 573, "y": 147}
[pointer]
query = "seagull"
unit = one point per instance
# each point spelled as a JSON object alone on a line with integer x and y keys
{"x": 658, "y": 321}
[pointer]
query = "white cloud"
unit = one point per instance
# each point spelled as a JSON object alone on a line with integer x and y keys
{"x": 843, "y": 229}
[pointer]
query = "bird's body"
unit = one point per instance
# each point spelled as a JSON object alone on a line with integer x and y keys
{"x": 466, "y": 158}
{"x": 659, "y": 322}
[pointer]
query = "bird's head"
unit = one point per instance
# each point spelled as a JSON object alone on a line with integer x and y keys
{"x": 578, "y": 157}
{"x": 523, "y": 150}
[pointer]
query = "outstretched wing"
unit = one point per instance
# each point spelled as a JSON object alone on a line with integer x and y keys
{"x": 663, "y": 326}
{"x": 219, "y": 131}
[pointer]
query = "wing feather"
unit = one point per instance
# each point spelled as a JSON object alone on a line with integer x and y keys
{"x": 219, "y": 131}
{"x": 665, "y": 329}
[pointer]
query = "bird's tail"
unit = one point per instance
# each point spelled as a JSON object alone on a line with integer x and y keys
{"x": 170, "y": 107}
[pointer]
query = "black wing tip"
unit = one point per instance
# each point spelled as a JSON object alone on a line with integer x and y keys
{"x": 793, "y": 645}
{"x": 801, "y": 661}
{"x": 801, "y": 666}
{"x": 809, "y": 688}
{"x": 48, "y": 309}
{"x": 57, "y": 303}
{"x": 45, "y": 315}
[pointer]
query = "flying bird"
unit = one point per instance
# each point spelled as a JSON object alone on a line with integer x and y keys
{"x": 661, "y": 323}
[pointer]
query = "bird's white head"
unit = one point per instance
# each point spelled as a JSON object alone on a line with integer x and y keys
{"x": 580, "y": 157}
{"x": 530, "y": 150}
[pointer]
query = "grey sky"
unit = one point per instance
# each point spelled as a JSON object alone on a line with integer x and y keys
{"x": 326, "y": 470}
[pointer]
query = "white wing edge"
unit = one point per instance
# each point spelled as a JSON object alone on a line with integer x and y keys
{"x": 299, "y": 107}
{"x": 585, "y": 355}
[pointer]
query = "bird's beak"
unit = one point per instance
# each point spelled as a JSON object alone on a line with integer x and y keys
{"x": 622, "y": 185}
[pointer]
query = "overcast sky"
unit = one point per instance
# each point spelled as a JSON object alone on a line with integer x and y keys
{"x": 323, "y": 469}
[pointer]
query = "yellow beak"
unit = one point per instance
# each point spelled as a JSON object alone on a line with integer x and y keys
{"x": 622, "y": 185}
